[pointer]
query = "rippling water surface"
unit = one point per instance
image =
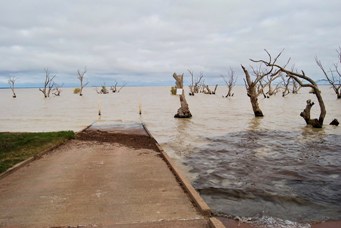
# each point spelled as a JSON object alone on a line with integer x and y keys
{"x": 243, "y": 166}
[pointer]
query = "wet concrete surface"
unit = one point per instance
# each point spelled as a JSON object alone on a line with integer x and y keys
{"x": 91, "y": 183}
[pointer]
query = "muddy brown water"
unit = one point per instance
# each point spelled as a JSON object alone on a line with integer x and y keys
{"x": 251, "y": 168}
{"x": 270, "y": 173}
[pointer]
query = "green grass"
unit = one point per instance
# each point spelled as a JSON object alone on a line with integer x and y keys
{"x": 17, "y": 147}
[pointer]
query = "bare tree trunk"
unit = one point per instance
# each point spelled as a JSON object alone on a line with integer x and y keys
{"x": 183, "y": 111}
{"x": 11, "y": 83}
{"x": 80, "y": 77}
{"x": 286, "y": 87}
{"x": 114, "y": 87}
{"x": 48, "y": 84}
{"x": 57, "y": 89}
{"x": 295, "y": 87}
{"x": 323, "y": 111}
{"x": 191, "y": 87}
{"x": 229, "y": 92}
{"x": 207, "y": 90}
{"x": 271, "y": 79}
{"x": 260, "y": 89}
{"x": 317, "y": 123}
{"x": 215, "y": 89}
{"x": 230, "y": 82}
{"x": 252, "y": 93}
{"x": 50, "y": 88}
{"x": 197, "y": 85}
{"x": 306, "y": 112}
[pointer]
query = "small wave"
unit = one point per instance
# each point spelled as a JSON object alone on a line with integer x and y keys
{"x": 270, "y": 222}
{"x": 271, "y": 173}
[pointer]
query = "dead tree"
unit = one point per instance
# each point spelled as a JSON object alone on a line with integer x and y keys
{"x": 191, "y": 87}
{"x": 286, "y": 83}
{"x": 265, "y": 86}
{"x": 303, "y": 81}
{"x": 57, "y": 89}
{"x": 201, "y": 86}
{"x": 251, "y": 88}
{"x": 103, "y": 90}
{"x": 256, "y": 87}
{"x": 80, "y": 76}
{"x": 215, "y": 89}
{"x": 48, "y": 84}
{"x": 197, "y": 84}
{"x": 114, "y": 89}
{"x": 11, "y": 82}
{"x": 260, "y": 88}
{"x": 230, "y": 81}
{"x": 122, "y": 86}
{"x": 272, "y": 91}
{"x": 207, "y": 90}
{"x": 183, "y": 111}
{"x": 295, "y": 87}
{"x": 334, "y": 78}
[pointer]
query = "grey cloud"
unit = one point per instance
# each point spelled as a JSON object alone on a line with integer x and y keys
{"x": 152, "y": 39}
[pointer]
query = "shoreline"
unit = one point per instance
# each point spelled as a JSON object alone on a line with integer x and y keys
{"x": 134, "y": 167}
{"x": 322, "y": 224}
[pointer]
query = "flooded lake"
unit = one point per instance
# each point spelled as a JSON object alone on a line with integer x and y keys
{"x": 243, "y": 166}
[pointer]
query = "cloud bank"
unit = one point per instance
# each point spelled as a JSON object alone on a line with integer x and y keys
{"x": 144, "y": 42}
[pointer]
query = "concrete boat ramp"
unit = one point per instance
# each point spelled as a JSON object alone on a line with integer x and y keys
{"x": 111, "y": 175}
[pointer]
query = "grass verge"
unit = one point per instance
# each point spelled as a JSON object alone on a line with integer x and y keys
{"x": 17, "y": 147}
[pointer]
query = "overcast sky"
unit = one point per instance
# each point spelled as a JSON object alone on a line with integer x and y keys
{"x": 145, "y": 41}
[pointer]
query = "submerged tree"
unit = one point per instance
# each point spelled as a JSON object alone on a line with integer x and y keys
{"x": 183, "y": 111}
{"x": 195, "y": 86}
{"x": 251, "y": 88}
{"x": 270, "y": 83}
{"x": 191, "y": 87}
{"x": 207, "y": 90}
{"x": 48, "y": 84}
{"x": 334, "y": 76}
{"x": 80, "y": 76}
{"x": 230, "y": 81}
{"x": 103, "y": 90}
{"x": 11, "y": 82}
{"x": 114, "y": 88}
{"x": 303, "y": 80}
{"x": 57, "y": 89}
{"x": 286, "y": 83}
{"x": 295, "y": 87}
{"x": 255, "y": 87}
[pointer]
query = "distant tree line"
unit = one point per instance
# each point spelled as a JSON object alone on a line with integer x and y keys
{"x": 51, "y": 87}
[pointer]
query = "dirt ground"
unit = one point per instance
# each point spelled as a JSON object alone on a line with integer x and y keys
{"x": 135, "y": 141}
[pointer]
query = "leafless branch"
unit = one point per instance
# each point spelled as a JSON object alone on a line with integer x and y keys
{"x": 11, "y": 82}
{"x": 230, "y": 81}
{"x": 80, "y": 76}
{"x": 334, "y": 81}
{"x": 48, "y": 84}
